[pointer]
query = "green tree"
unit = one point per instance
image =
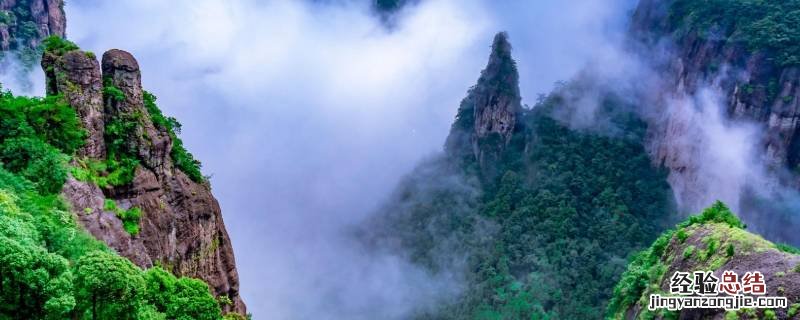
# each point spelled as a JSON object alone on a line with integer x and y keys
{"x": 108, "y": 286}
{"x": 34, "y": 284}
{"x": 180, "y": 298}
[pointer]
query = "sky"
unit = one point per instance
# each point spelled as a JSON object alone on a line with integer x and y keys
{"x": 307, "y": 113}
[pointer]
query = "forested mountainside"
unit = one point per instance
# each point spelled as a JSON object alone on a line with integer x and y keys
{"x": 747, "y": 51}
{"x": 57, "y": 182}
{"x": 544, "y": 216}
{"x": 105, "y": 215}
{"x": 541, "y": 217}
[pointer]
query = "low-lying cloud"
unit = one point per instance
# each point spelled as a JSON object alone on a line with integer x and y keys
{"x": 308, "y": 113}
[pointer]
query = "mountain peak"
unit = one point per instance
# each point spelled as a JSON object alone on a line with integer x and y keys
{"x": 501, "y": 48}
{"x": 487, "y": 116}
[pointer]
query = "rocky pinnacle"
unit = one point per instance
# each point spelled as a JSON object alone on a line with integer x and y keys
{"x": 181, "y": 227}
{"x": 487, "y": 116}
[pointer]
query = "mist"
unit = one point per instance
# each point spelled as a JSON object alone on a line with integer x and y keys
{"x": 711, "y": 156}
{"x": 307, "y": 114}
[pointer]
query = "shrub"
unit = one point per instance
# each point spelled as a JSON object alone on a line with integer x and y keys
{"x": 58, "y": 45}
{"x": 682, "y": 235}
{"x": 130, "y": 217}
{"x": 711, "y": 248}
{"x": 718, "y": 212}
{"x": 121, "y": 157}
{"x": 687, "y": 253}
{"x": 787, "y": 248}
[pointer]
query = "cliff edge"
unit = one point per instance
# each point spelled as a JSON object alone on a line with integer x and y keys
{"x": 134, "y": 186}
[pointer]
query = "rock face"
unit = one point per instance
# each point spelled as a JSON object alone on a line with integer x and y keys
{"x": 487, "y": 116}
{"x": 181, "y": 227}
{"x": 752, "y": 86}
{"x": 121, "y": 70}
{"x": 76, "y": 75}
{"x": 26, "y": 23}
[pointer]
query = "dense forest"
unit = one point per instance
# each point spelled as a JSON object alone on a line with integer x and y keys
{"x": 543, "y": 219}
{"x": 771, "y": 26}
{"x": 546, "y": 225}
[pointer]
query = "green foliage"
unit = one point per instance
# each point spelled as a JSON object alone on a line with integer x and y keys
{"x": 121, "y": 155}
{"x": 682, "y": 235}
{"x": 687, "y": 253}
{"x": 36, "y": 135}
{"x": 730, "y": 251}
{"x": 787, "y": 248}
{"x": 37, "y": 236}
{"x": 113, "y": 92}
{"x": 637, "y": 279}
{"x": 793, "y": 309}
{"x": 711, "y": 247}
{"x": 180, "y": 298}
{"x": 184, "y": 160}
{"x": 718, "y": 212}
{"x": 49, "y": 119}
{"x": 235, "y": 316}
{"x": 36, "y": 284}
{"x": 107, "y": 286}
{"x": 130, "y": 217}
{"x": 645, "y": 268}
{"x": 762, "y": 25}
{"x": 58, "y": 45}
{"x": 104, "y": 173}
{"x": 565, "y": 211}
{"x": 50, "y": 268}
{"x": 37, "y": 161}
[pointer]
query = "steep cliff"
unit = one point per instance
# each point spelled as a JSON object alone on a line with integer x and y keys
{"x": 131, "y": 187}
{"x": 745, "y": 51}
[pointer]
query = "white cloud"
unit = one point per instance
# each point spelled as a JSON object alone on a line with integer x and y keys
{"x": 307, "y": 113}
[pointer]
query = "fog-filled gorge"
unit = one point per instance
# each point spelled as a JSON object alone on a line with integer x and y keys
{"x": 307, "y": 115}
